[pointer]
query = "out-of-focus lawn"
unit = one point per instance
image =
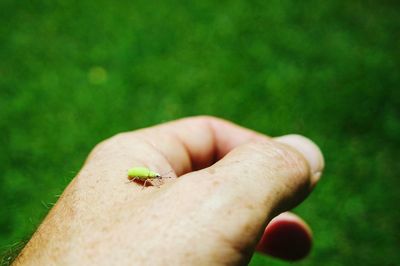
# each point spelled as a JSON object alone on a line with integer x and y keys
{"x": 75, "y": 72}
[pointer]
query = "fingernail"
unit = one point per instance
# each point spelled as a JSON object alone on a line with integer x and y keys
{"x": 310, "y": 151}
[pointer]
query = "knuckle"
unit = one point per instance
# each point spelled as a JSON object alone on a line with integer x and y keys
{"x": 106, "y": 145}
{"x": 279, "y": 157}
{"x": 202, "y": 118}
{"x": 97, "y": 149}
{"x": 205, "y": 120}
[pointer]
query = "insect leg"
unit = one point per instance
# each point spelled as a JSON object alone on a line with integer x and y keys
{"x": 164, "y": 174}
{"x": 145, "y": 183}
{"x": 157, "y": 184}
{"x": 131, "y": 180}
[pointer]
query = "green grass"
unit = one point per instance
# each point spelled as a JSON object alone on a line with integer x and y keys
{"x": 73, "y": 73}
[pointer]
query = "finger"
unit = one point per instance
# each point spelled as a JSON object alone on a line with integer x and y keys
{"x": 287, "y": 237}
{"x": 171, "y": 149}
{"x": 196, "y": 142}
{"x": 286, "y": 165}
{"x": 185, "y": 145}
{"x": 245, "y": 190}
{"x": 308, "y": 149}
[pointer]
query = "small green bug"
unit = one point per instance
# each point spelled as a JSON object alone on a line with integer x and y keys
{"x": 143, "y": 174}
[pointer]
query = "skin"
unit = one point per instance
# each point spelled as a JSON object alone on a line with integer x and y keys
{"x": 232, "y": 183}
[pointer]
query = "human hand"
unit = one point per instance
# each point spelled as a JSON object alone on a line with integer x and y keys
{"x": 232, "y": 182}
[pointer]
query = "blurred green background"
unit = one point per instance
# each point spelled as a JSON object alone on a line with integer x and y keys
{"x": 73, "y": 73}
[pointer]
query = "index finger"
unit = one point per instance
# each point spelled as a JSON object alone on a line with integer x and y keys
{"x": 192, "y": 143}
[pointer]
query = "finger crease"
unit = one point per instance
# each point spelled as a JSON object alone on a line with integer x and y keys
{"x": 155, "y": 148}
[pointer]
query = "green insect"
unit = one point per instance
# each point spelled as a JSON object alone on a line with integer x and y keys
{"x": 143, "y": 174}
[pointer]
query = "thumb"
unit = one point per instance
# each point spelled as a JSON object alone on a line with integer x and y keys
{"x": 241, "y": 193}
{"x": 271, "y": 174}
